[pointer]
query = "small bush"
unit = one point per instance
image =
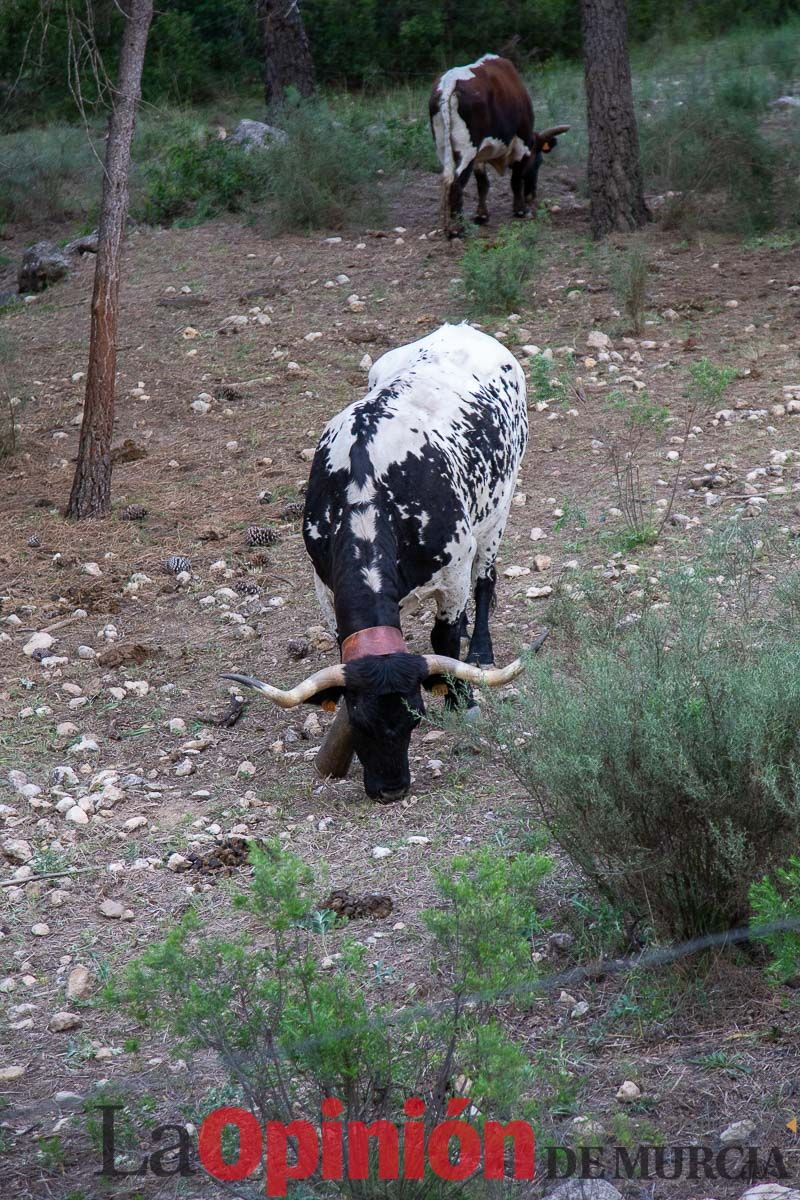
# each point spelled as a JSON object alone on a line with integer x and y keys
{"x": 288, "y": 1033}
{"x": 495, "y": 274}
{"x": 193, "y": 177}
{"x": 323, "y": 177}
{"x": 667, "y": 764}
{"x": 629, "y": 275}
{"x": 48, "y": 175}
{"x": 778, "y": 899}
{"x": 730, "y": 175}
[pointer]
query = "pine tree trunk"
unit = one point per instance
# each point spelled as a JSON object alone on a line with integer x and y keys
{"x": 287, "y": 57}
{"x": 615, "y": 175}
{"x": 91, "y": 487}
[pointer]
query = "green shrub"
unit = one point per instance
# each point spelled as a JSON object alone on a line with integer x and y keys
{"x": 323, "y": 176}
{"x": 629, "y": 274}
{"x": 667, "y": 763}
{"x": 495, "y": 274}
{"x": 778, "y": 899}
{"x": 288, "y": 1032}
{"x": 730, "y": 175}
{"x": 194, "y": 177}
{"x": 48, "y": 174}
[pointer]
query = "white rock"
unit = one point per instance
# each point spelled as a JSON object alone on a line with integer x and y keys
{"x": 138, "y": 687}
{"x": 246, "y": 769}
{"x": 11, "y": 1074}
{"x": 17, "y": 850}
{"x": 66, "y": 729}
{"x": 597, "y": 340}
{"x": 530, "y": 351}
{"x": 77, "y": 816}
{"x": 86, "y": 652}
{"x": 537, "y": 534}
{"x": 738, "y": 1132}
{"x": 381, "y": 852}
{"x": 542, "y": 562}
{"x": 79, "y": 982}
{"x": 92, "y": 568}
{"x": 40, "y": 930}
{"x": 177, "y": 862}
{"x": 418, "y": 839}
{"x": 177, "y": 726}
{"x": 39, "y": 641}
{"x": 86, "y": 745}
{"x": 200, "y": 406}
{"x": 516, "y": 572}
{"x": 111, "y": 909}
{"x": 186, "y": 767}
{"x": 628, "y": 1092}
{"x": 366, "y": 362}
{"x": 135, "y": 823}
{"x": 539, "y": 593}
{"x": 60, "y": 1022}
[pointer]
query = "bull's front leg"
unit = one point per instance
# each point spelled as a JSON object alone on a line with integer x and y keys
{"x": 482, "y": 180}
{"x": 518, "y": 190}
{"x": 480, "y": 646}
{"x": 446, "y": 640}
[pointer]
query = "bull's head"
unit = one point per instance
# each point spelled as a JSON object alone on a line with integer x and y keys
{"x": 543, "y": 143}
{"x": 384, "y": 704}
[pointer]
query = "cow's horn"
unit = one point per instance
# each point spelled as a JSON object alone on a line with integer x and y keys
{"x": 554, "y": 132}
{"x": 329, "y": 677}
{"x": 439, "y": 664}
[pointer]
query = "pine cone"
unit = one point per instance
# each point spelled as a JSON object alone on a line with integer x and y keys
{"x": 246, "y": 587}
{"x": 298, "y": 648}
{"x": 34, "y": 541}
{"x": 176, "y": 563}
{"x": 265, "y": 497}
{"x": 259, "y": 535}
{"x": 134, "y": 512}
{"x": 293, "y": 510}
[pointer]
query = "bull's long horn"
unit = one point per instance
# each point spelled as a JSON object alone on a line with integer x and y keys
{"x": 328, "y": 677}
{"x": 554, "y": 132}
{"x": 439, "y": 664}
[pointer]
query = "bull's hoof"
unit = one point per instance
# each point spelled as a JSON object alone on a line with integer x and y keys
{"x": 480, "y": 219}
{"x": 521, "y": 214}
{"x": 455, "y": 233}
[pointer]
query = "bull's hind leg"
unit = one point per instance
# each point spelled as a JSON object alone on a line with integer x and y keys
{"x": 482, "y": 180}
{"x": 480, "y": 646}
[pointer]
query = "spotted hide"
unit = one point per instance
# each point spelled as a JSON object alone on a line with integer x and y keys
{"x": 481, "y": 115}
{"x": 407, "y": 500}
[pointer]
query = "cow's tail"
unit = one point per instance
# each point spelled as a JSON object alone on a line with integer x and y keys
{"x": 448, "y": 107}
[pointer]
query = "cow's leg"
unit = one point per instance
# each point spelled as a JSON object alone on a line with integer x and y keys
{"x": 482, "y": 180}
{"x": 518, "y": 190}
{"x": 446, "y": 639}
{"x": 456, "y": 200}
{"x": 480, "y": 646}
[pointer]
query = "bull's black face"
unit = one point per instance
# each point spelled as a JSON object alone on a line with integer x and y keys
{"x": 382, "y": 728}
{"x": 384, "y": 703}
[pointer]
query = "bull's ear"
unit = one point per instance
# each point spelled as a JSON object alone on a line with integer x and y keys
{"x": 436, "y": 684}
{"x": 327, "y": 699}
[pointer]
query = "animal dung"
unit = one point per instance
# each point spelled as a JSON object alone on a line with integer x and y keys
{"x": 344, "y": 904}
{"x": 261, "y": 535}
{"x": 223, "y": 858}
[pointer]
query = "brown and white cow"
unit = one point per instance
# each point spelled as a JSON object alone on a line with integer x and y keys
{"x": 482, "y": 115}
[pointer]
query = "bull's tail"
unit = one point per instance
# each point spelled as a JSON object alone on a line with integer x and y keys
{"x": 448, "y": 108}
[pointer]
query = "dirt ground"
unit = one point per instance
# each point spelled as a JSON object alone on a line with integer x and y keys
{"x": 204, "y": 477}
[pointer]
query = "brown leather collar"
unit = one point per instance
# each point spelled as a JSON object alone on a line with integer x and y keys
{"x": 378, "y": 639}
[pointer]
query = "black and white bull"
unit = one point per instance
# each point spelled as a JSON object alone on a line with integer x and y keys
{"x": 407, "y": 500}
{"x": 482, "y": 115}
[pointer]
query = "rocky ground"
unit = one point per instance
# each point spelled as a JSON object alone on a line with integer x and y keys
{"x": 127, "y": 778}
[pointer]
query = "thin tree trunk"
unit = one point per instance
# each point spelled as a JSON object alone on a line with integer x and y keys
{"x": 287, "y": 57}
{"x": 91, "y": 487}
{"x": 615, "y": 175}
